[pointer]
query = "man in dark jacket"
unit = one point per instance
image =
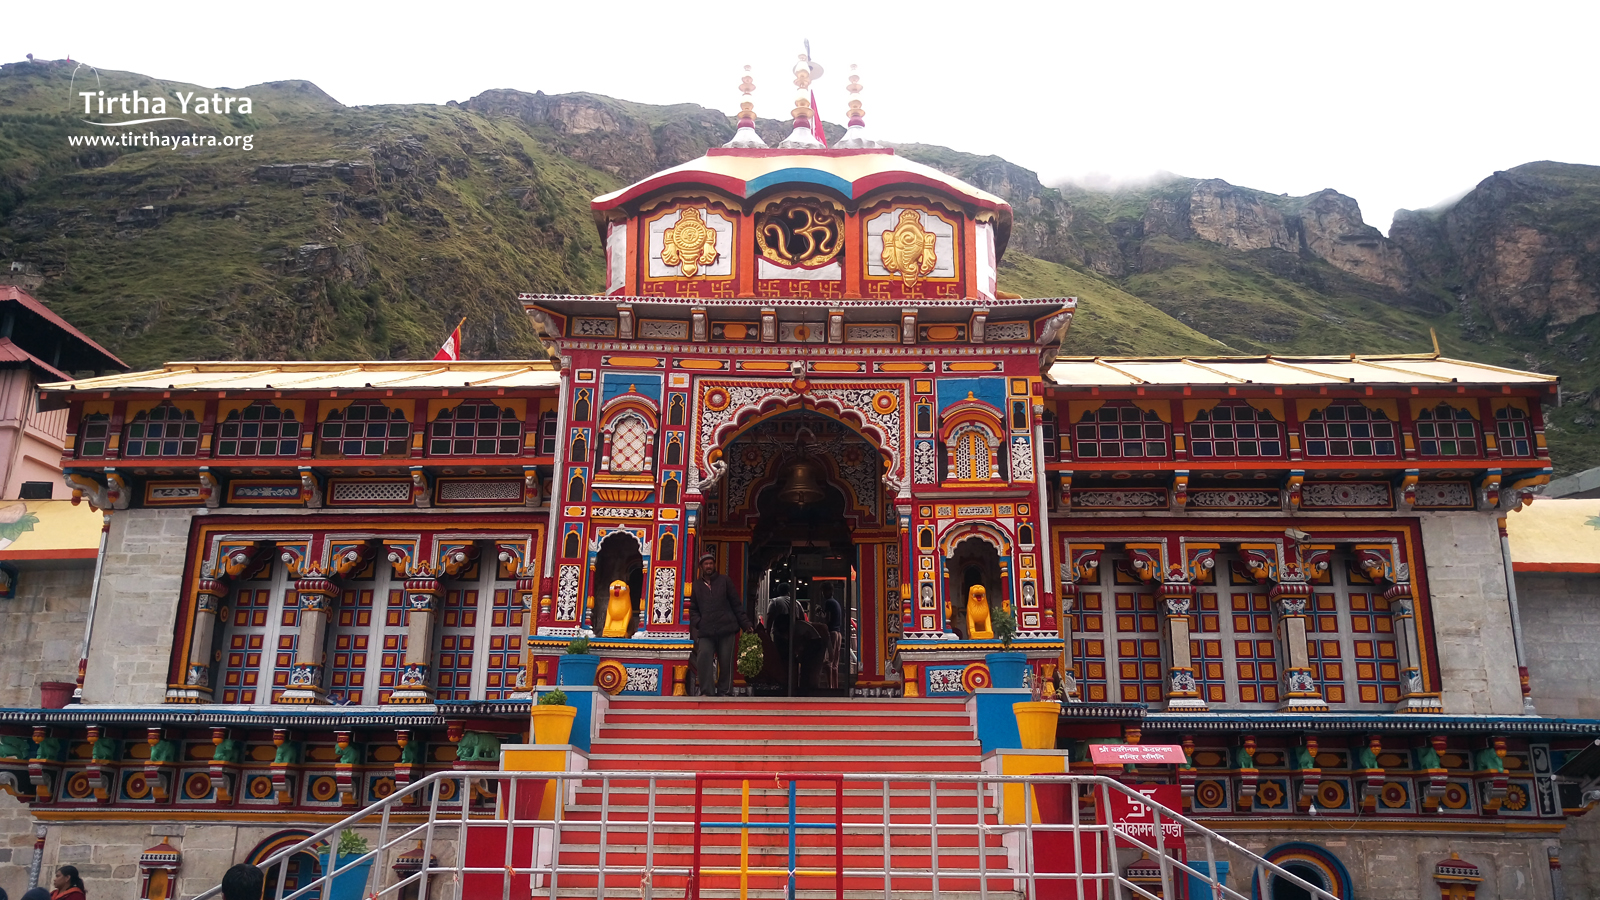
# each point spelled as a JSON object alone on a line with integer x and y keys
{"x": 715, "y": 619}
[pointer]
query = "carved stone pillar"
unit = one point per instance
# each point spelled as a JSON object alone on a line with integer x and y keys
{"x": 1176, "y": 599}
{"x": 307, "y": 675}
{"x": 1379, "y": 563}
{"x": 416, "y": 672}
{"x": 210, "y": 597}
{"x": 1301, "y": 693}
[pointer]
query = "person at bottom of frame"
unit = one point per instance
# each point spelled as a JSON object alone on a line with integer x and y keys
{"x": 715, "y": 619}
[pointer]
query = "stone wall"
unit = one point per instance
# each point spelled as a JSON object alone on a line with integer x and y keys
{"x": 134, "y": 618}
{"x": 1471, "y": 614}
{"x": 1560, "y": 619}
{"x": 107, "y": 855}
{"x": 42, "y": 629}
{"x": 1400, "y": 866}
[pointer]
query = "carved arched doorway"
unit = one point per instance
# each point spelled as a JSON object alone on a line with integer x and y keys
{"x": 782, "y": 546}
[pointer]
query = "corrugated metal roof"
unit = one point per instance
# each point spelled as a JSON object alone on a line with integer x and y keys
{"x": 1115, "y": 371}
{"x": 322, "y": 376}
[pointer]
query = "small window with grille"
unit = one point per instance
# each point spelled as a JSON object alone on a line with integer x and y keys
{"x": 1515, "y": 432}
{"x": 1048, "y": 425}
{"x": 1446, "y": 431}
{"x": 1235, "y": 430}
{"x": 475, "y": 429}
{"x": 1118, "y": 431}
{"x": 1348, "y": 429}
{"x": 364, "y": 429}
{"x": 260, "y": 429}
{"x": 162, "y": 431}
{"x": 93, "y": 434}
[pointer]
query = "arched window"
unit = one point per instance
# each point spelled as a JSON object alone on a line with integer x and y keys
{"x": 1025, "y": 534}
{"x": 675, "y": 410}
{"x": 364, "y": 428}
{"x": 93, "y": 432}
{"x": 475, "y": 429}
{"x": 972, "y": 444}
{"x": 1235, "y": 429}
{"x": 668, "y": 547}
{"x": 675, "y": 451}
{"x": 669, "y": 492}
{"x": 1447, "y": 431}
{"x": 925, "y": 539}
{"x": 580, "y": 409}
{"x": 572, "y": 546}
{"x": 580, "y": 449}
{"x": 1348, "y": 429}
{"x": 1512, "y": 425}
{"x": 630, "y": 445}
{"x": 924, "y": 418}
{"x": 260, "y": 429}
{"x": 575, "y": 489}
{"x": 162, "y": 431}
{"x": 1120, "y": 431}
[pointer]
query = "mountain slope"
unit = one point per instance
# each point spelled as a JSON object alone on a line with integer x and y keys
{"x": 368, "y": 231}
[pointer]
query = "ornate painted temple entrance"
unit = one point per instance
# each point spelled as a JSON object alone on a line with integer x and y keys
{"x": 801, "y": 515}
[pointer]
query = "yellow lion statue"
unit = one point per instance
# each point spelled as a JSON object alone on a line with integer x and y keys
{"x": 978, "y": 623}
{"x": 619, "y": 609}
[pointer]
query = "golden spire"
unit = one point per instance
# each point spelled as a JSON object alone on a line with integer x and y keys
{"x": 746, "y": 137}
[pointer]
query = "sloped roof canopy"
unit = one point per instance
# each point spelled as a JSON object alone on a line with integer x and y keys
{"x": 1229, "y": 371}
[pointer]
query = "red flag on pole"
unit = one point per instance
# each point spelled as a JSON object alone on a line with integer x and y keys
{"x": 451, "y": 350}
{"x": 816, "y": 122}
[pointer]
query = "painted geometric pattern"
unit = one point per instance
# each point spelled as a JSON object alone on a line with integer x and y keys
{"x": 945, "y": 680}
{"x": 241, "y": 671}
{"x": 1139, "y": 668}
{"x": 505, "y": 646}
{"x": 567, "y": 594}
{"x": 1205, "y": 647}
{"x": 925, "y": 465}
{"x": 1254, "y": 648}
{"x": 1323, "y": 646}
{"x": 458, "y": 627}
{"x": 663, "y": 596}
{"x": 1021, "y": 459}
{"x": 352, "y": 637}
{"x": 629, "y": 444}
{"x": 1089, "y": 651}
{"x": 393, "y": 636}
{"x": 1376, "y": 656}
{"x": 642, "y": 680}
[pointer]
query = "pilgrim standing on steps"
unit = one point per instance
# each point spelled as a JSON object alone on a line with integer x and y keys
{"x": 715, "y": 619}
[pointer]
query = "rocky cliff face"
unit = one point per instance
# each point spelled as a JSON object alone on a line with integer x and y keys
{"x": 1523, "y": 246}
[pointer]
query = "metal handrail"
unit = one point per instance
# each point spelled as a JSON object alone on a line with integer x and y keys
{"x": 422, "y": 798}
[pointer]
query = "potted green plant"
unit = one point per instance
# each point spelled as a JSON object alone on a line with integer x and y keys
{"x": 351, "y": 883}
{"x": 552, "y": 718}
{"x": 751, "y": 661}
{"x": 576, "y": 668}
{"x": 1006, "y": 668}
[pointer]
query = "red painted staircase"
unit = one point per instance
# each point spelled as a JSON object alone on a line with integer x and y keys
{"x": 756, "y": 739}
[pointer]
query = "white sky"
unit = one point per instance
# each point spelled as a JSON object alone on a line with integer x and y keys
{"x": 1398, "y": 104}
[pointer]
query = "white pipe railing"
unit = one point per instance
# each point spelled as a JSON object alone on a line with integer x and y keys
{"x": 413, "y": 814}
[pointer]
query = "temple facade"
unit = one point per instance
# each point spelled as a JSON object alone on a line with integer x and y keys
{"x": 324, "y": 580}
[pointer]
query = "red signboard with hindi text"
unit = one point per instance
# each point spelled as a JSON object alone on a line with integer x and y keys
{"x": 1136, "y": 754}
{"x": 1136, "y": 820}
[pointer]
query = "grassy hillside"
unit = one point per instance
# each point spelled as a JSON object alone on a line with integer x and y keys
{"x": 367, "y": 232}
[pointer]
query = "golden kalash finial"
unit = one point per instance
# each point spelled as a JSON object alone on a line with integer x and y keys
{"x": 746, "y": 137}
{"x": 807, "y": 126}
{"x": 855, "y": 133}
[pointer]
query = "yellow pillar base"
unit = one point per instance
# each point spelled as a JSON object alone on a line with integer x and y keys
{"x": 543, "y": 758}
{"x": 1022, "y": 762}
